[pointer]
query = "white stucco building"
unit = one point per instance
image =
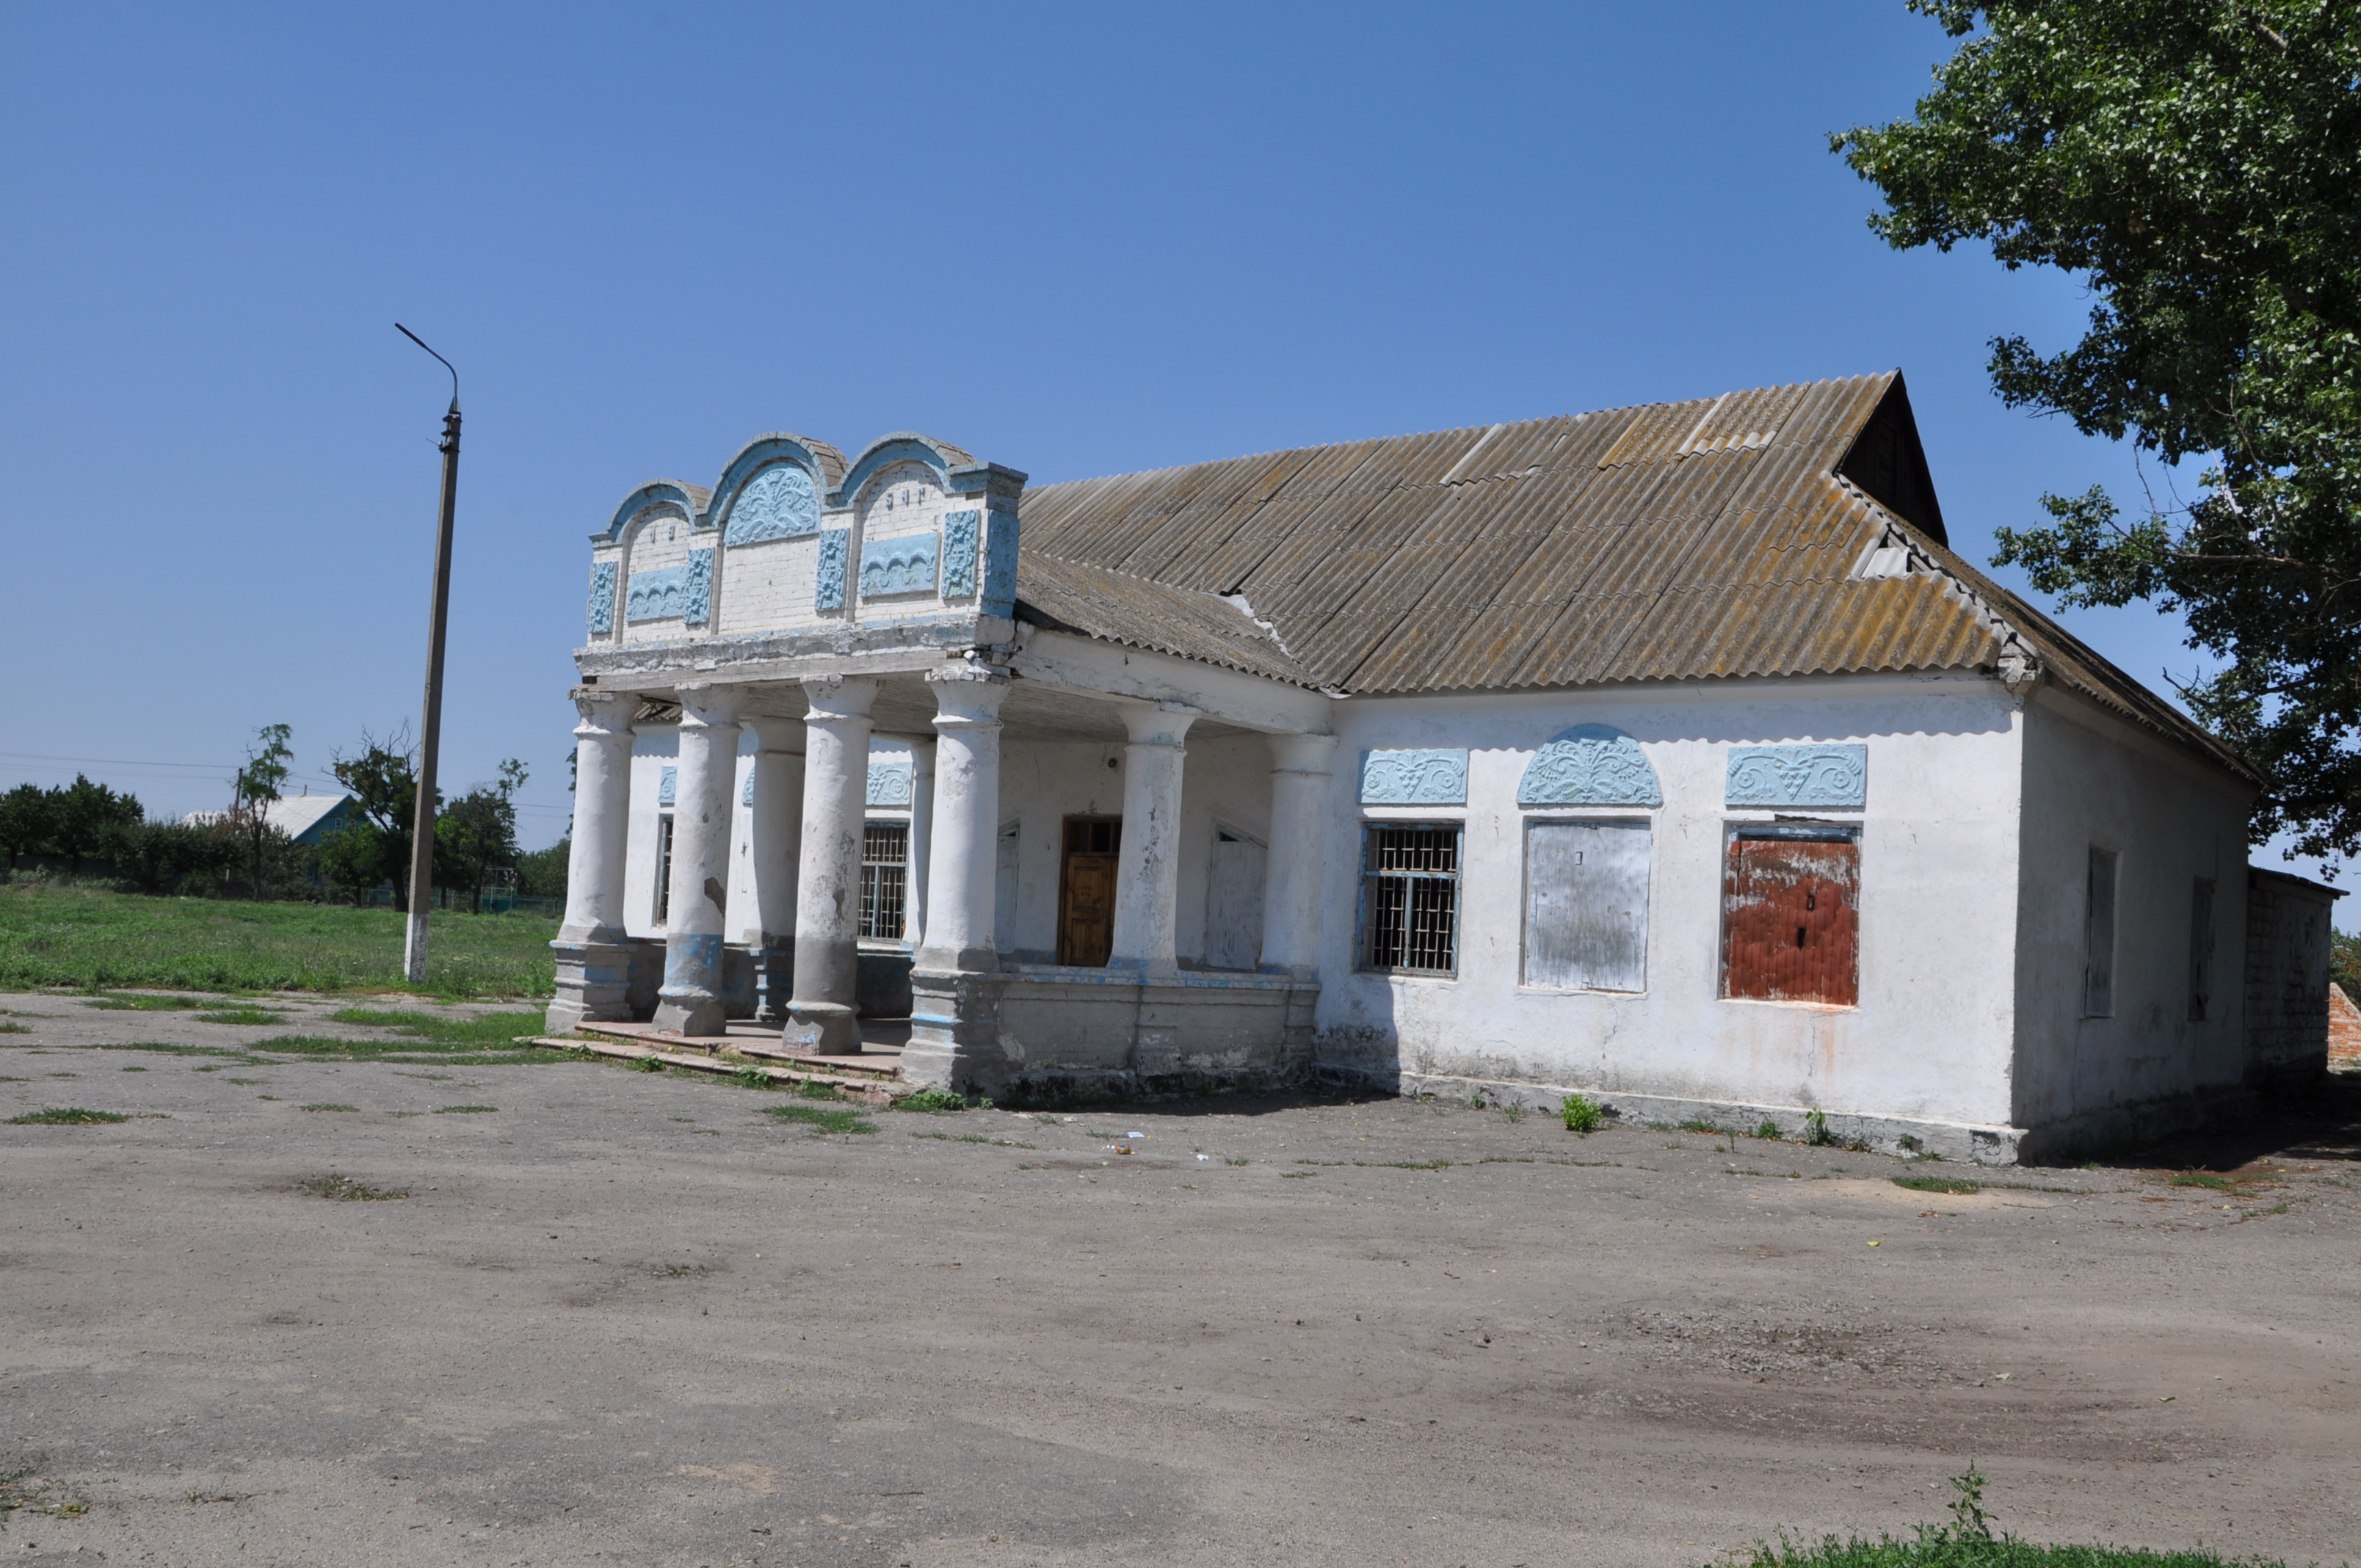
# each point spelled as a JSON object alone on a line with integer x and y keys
{"x": 1667, "y": 755}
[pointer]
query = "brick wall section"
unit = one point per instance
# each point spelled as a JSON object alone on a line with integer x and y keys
{"x": 2286, "y": 977}
{"x": 2344, "y": 1030}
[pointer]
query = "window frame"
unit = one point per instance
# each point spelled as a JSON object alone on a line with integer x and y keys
{"x": 2094, "y": 1004}
{"x": 1368, "y": 879}
{"x": 873, "y": 881}
{"x": 664, "y": 870}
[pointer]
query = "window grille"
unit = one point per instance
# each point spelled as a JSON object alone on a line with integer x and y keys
{"x": 884, "y": 878}
{"x": 663, "y": 868}
{"x": 1410, "y": 899}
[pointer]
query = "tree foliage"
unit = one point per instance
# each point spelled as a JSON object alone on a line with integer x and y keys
{"x": 477, "y": 833}
{"x": 382, "y": 777}
{"x": 2198, "y": 164}
{"x": 256, "y": 790}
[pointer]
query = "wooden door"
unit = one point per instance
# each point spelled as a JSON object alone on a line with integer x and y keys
{"x": 1086, "y": 891}
{"x": 1791, "y": 922}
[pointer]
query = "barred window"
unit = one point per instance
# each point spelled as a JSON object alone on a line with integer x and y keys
{"x": 884, "y": 878}
{"x": 663, "y": 868}
{"x": 1410, "y": 899}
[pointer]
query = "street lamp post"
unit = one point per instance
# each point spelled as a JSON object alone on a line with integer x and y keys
{"x": 421, "y": 843}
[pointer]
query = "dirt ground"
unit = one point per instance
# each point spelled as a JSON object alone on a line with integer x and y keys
{"x": 627, "y": 1317}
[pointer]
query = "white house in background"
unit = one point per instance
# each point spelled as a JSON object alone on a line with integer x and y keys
{"x": 1666, "y": 754}
{"x": 306, "y": 819}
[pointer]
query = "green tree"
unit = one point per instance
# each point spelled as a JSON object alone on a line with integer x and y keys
{"x": 541, "y": 874}
{"x": 2197, "y": 164}
{"x": 257, "y": 788}
{"x": 478, "y": 832}
{"x": 84, "y": 816}
{"x": 163, "y": 857}
{"x": 383, "y": 779}
{"x": 24, "y": 821}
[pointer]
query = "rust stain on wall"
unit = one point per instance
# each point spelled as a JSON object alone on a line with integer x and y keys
{"x": 1791, "y": 921}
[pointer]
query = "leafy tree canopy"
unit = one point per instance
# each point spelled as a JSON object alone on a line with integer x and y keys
{"x": 2197, "y": 163}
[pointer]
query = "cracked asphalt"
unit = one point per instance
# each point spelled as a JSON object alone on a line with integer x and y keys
{"x": 623, "y": 1316}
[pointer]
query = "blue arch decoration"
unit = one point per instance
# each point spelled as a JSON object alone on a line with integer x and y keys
{"x": 903, "y": 445}
{"x": 772, "y": 489}
{"x": 1590, "y": 764}
{"x": 655, "y": 492}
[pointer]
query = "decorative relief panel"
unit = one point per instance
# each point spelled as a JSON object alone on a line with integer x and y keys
{"x": 746, "y": 795}
{"x": 778, "y": 503}
{"x": 1799, "y": 775}
{"x": 667, "y": 783}
{"x": 602, "y": 597}
{"x": 1431, "y": 777}
{"x": 656, "y": 595}
{"x": 835, "y": 547}
{"x": 959, "y": 553}
{"x": 1590, "y": 764}
{"x": 889, "y": 782}
{"x": 999, "y": 596}
{"x": 904, "y": 564}
{"x": 697, "y": 590}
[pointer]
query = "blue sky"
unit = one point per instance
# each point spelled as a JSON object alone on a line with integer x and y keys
{"x": 1076, "y": 240}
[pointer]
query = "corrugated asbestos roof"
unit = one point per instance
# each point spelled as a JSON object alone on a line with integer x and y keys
{"x": 1723, "y": 536}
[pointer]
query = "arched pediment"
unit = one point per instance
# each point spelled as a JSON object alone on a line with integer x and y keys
{"x": 1590, "y": 764}
{"x": 903, "y": 445}
{"x": 674, "y": 498}
{"x": 774, "y": 487}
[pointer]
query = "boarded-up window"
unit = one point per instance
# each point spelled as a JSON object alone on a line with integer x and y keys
{"x": 2098, "y": 936}
{"x": 1586, "y": 905}
{"x": 884, "y": 878}
{"x": 2200, "y": 950}
{"x": 1234, "y": 879}
{"x": 1790, "y": 917}
{"x": 1410, "y": 899}
{"x": 1003, "y": 889}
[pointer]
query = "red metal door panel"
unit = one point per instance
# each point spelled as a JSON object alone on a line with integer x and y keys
{"x": 1791, "y": 921}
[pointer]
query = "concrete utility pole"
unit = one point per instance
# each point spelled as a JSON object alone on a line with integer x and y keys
{"x": 421, "y": 843}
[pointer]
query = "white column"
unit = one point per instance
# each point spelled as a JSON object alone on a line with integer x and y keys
{"x": 966, "y": 813}
{"x": 593, "y": 954}
{"x": 922, "y": 839}
{"x": 828, "y": 882}
{"x": 1299, "y": 853}
{"x": 775, "y": 844}
{"x": 1148, "y": 875}
{"x": 691, "y": 1001}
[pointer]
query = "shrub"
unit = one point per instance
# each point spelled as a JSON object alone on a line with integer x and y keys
{"x": 1816, "y": 1130}
{"x": 932, "y": 1099}
{"x": 1582, "y": 1113}
{"x": 1768, "y": 1130}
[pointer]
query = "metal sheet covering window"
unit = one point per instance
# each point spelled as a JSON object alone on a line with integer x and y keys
{"x": 663, "y": 868}
{"x": 884, "y": 878}
{"x": 1791, "y": 916}
{"x": 2098, "y": 936}
{"x": 1410, "y": 898}
{"x": 1586, "y": 905}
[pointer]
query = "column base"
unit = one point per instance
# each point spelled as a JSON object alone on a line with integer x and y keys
{"x": 594, "y": 984}
{"x": 775, "y": 982}
{"x": 955, "y": 1032}
{"x": 692, "y": 1000}
{"x": 828, "y": 1027}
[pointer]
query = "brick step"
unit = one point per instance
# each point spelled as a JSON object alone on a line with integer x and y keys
{"x": 869, "y": 1091}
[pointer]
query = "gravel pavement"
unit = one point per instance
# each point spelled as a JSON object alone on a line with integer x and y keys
{"x": 623, "y": 1316}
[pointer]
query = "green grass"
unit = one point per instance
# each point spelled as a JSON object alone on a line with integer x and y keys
{"x": 1950, "y": 1184}
{"x": 326, "y": 1105}
{"x": 91, "y": 940}
{"x": 246, "y": 1016}
{"x": 2005, "y": 1552}
{"x": 8, "y": 1028}
{"x": 464, "y": 1110}
{"x": 64, "y": 1116}
{"x": 931, "y": 1099}
{"x": 117, "y": 1001}
{"x": 448, "y": 1039}
{"x": 821, "y": 1118}
{"x": 166, "y": 1047}
{"x": 2205, "y": 1179}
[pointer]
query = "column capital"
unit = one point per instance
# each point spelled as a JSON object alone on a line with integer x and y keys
{"x": 777, "y": 734}
{"x": 1310, "y": 755}
{"x": 838, "y": 696}
{"x": 968, "y": 692}
{"x": 1164, "y": 724}
{"x": 603, "y": 713}
{"x": 717, "y": 705}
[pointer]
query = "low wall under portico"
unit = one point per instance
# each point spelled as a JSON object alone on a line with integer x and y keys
{"x": 1047, "y": 1031}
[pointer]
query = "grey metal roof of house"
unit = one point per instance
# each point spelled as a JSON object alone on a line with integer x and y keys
{"x": 1723, "y": 536}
